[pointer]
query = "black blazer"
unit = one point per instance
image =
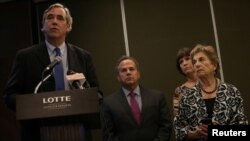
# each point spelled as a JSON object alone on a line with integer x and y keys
{"x": 119, "y": 124}
{"x": 29, "y": 64}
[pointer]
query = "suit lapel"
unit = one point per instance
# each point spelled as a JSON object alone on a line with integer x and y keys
{"x": 126, "y": 106}
{"x": 144, "y": 103}
{"x": 73, "y": 63}
{"x": 43, "y": 55}
{"x": 43, "y": 61}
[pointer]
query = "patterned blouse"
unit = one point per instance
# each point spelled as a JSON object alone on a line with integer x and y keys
{"x": 179, "y": 91}
{"x": 228, "y": 109}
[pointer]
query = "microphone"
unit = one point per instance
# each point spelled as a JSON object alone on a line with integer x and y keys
{"x": 57, "y": 60}
{"x": 76, "y": 80}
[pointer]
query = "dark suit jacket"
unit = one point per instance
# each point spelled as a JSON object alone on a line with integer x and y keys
{"x": 29, "y": 64}
{"x": 119, "y": 124}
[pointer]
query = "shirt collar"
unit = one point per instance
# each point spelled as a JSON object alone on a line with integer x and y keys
{"x": 136, "y": 91}
{"x": 51, "y": 47}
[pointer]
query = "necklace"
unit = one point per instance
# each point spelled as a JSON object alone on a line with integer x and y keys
{"x": 210, "y": 92}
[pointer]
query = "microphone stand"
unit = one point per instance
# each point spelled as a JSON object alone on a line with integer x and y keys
{"x": 43, "y": 80}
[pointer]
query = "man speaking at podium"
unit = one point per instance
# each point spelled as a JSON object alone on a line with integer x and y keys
{"x": 54, "y": 57}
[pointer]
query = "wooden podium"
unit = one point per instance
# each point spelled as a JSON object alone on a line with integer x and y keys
{"x": 62, "y": 115}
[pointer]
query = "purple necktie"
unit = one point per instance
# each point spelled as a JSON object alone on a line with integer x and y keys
{"x": 135, "y": 108}
{"x": 58, "y": 72}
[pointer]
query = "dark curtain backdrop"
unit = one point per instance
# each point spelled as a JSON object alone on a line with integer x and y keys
{"x": 156, "y": 30}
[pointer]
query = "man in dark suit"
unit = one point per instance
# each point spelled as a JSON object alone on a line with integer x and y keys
{"x": 30, "y": 63}
{"x": 135, "y": 113}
